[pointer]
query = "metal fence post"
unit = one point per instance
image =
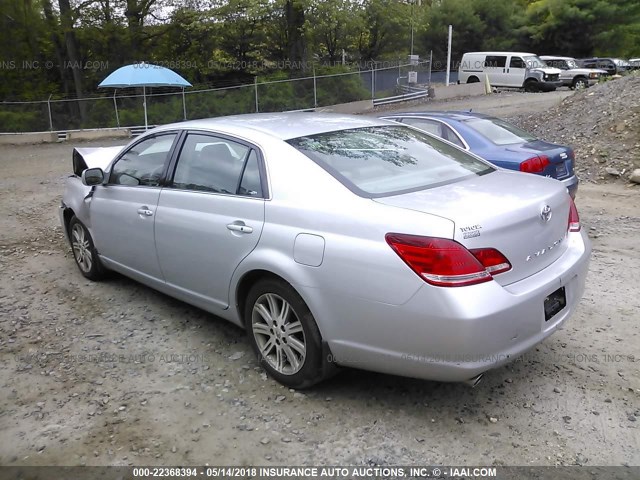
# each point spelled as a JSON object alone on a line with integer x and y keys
{"x": 184, "y": 105}
{"x": 430, "y": 65}
{"x": 315, "y": 90}
{"x": 372, "y": 84}
{"x": 449, "y": 56}
{"x": 115, "y": 106}
{"x": 256, "y": 86}
{"x": 50, "y": 116}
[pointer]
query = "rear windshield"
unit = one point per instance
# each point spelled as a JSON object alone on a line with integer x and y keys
{"x": 388, "y": 160}
{"x": 499, "y": 132}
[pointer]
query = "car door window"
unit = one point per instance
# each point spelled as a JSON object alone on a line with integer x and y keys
{"x": 436, "y": 128}
{"x": 213, "y": 164}
{"x": 495, "y": 61}
{"x": 143, "y": 164}
{"x": 428, "y": 126}
{"x": 516, "y": 62}
{"x": 449, "y": 134}
{"x": 251, "y": 184}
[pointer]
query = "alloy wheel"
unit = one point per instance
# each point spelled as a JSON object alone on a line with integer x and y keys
{"x": 81, "y": 248}
{"x": 278, "y": 333}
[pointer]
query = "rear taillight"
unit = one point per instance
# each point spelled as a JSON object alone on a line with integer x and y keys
{"x": 492, "y": 260}
{"x": 447, "y": 263}
{"x": 535, "y": 164}
{"x": 574, "y": 218}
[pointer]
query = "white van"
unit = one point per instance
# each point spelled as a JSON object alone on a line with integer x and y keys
{"x": 509, "y": 69}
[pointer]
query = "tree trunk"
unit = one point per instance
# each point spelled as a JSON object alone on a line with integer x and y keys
{"x": 134, "y": 25}
{"x": 294, "y": 14}
{"x": 52, "y": 23}
{"x": 75, "y": 62}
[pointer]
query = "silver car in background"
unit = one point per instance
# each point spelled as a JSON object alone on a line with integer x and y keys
{"x": 335, "y": 240}
{"x": 571, "y": 74}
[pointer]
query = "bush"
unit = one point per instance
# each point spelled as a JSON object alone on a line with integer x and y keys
{"x": 23, "y": 121}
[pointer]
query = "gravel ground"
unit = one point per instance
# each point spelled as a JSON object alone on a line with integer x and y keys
{"x": 114, "y": 373}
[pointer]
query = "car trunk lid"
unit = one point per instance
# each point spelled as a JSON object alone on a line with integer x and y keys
{"x": 560, "y": 158}
{"x": 523, "y": 216}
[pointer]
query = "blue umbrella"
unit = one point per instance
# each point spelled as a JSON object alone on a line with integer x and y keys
{"x": 145, "y": 75}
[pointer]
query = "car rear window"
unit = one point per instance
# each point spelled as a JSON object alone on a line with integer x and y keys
{"x": 499, "y": 132}
{"x": 388, "y": 160}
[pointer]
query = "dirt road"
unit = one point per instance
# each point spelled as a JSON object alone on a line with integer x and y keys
{"x": 114, "y": 373}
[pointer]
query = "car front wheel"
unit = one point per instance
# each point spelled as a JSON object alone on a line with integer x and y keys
{"x": 284, "y": 334}
{"x": 580, "y": 83}
{"x": 84, "y": 252}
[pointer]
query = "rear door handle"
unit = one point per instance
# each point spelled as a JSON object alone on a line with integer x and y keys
{"x": 144, "y": 211}
{"x": 240, "y": 227}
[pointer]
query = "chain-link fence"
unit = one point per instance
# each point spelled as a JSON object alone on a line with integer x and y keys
{"x": 124, "y": 107}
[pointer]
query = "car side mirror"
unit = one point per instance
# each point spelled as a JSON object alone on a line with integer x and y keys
{"x": 92, "y": 176}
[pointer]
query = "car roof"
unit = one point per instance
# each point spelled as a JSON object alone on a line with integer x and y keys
{"x": 499, "y": 53}
{"x": 284, "y": 126}
{"x": 555, "y": 57}
{"x": 452, "y": 115}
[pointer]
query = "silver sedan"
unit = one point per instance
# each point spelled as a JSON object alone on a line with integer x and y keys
{"x": 335, "y": 241}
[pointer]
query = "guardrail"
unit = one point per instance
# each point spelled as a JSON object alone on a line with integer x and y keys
{"x": 403, "y": 97}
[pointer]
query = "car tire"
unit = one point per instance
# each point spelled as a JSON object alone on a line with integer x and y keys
{"x": 473, "y": 80}
{"x": 284, "y": 334}
{"x": 531, "y": 86}
{"x": 84, "y": 252}
{"x": 580, "y": 83}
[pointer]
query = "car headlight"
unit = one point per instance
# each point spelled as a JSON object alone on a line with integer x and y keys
{"x": 593, "y": 75}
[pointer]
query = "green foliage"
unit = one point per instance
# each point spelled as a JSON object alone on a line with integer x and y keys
{"x": 477, "y": 25}
{"x": 18, "y": 120}
{"x": 333, "y": 27}
{"x": 583, "y": 27}
{"x": 385, "y": 29}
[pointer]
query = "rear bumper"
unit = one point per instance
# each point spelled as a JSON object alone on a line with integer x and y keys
{"x": 453, "y": 334}
{"x": 571, "y": 184}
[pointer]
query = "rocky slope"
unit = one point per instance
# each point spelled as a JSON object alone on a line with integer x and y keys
{"x": 602, "y": 123}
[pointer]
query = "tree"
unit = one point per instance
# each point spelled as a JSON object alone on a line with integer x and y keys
{"x": 332, "y": 24}
{"x": 581, "y": 28}
{"x": 385, "y": 27}
{"x": 468, "y": 30}
{"x": 22, "y": 31}
{"x": 72, "y": 53}
{"x": 296, "y": 43}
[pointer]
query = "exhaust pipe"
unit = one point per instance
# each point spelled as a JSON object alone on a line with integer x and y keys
{"x": 474, "y": 381}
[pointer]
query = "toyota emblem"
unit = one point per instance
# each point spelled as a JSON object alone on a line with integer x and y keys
{"x": 546, "y": 213}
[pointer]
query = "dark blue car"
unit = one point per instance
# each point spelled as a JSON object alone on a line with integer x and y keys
{"x": 499, "y": 142}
